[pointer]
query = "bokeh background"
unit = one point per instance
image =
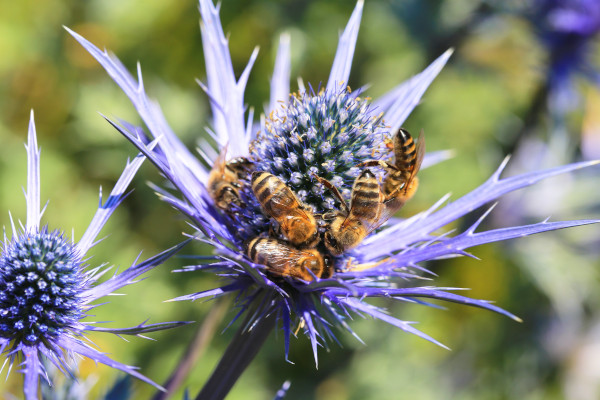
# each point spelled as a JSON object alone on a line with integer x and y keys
{"x": 489, "y": 101}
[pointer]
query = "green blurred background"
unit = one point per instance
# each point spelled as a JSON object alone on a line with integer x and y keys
{"x": 476, "y": 107}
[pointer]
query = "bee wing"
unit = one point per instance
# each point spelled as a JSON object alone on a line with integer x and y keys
{"x": 374, "y": 223}
{"x": 278, "y": 260}
{"x": 298, "y": 210}
{"x": 370, "y": 226}
{"x": 282, "y": 260}
{"x": 419, "y": 158}
{"x": 221, "y": 159}
{"x": 281, "y": 201}
{"x": 386, "y": 213}
{"x": 394, "y": 204}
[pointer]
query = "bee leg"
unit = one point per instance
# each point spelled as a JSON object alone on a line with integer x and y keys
{"x": 378, "y": 163}
{"x": 334, "y": 190}
{"x": 320, "y": 218}
{"x": 328, "y": 216}
{"x": 274, "y": 230}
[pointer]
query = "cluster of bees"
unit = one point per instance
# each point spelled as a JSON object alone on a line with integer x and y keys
{"x": 302, "y": 244}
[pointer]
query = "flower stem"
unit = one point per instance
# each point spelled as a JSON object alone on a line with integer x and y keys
{"x": 195, "y": 349}
{"x": 239, "y": 354}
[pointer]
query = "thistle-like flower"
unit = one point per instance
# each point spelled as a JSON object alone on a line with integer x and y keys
{"x": 46, "y": 287}
{"x": 308, "y": 138}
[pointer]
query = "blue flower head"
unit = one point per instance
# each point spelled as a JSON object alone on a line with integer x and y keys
{"x": 46, "y": 287}
{"x": 308, "y": 138}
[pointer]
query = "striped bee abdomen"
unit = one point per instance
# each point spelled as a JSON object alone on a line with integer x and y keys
{"x": 366, "y": 196}
{"x": 405, "y": 150}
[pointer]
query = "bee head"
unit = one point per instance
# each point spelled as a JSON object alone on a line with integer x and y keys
{"x": 227, "y": 196}
{"x": 313, "y": 240}
{"x": 314, "y": 266}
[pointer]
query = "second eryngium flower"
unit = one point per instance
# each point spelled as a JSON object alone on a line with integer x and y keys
{"x": 47, "y": 287}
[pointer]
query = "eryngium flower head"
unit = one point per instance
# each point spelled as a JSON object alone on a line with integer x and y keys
{"x": 46, "y": 287}
{"x": 41, "y": 280}
{"x": 325, "y": 132}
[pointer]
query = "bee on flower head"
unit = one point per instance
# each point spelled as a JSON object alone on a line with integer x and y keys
{"x": 400, "y": 182}
{"x": 296, "y": 220}
{"x": 349, "y": 226}
{"x": 226, "y": 179}
{"x": 283, "y": 259}
{"x": 370, "y": 206}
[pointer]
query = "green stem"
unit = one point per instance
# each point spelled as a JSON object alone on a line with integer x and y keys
{"x": 239, "y": 354}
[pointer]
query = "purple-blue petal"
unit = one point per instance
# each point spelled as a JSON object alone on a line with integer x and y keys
{"x": 280, "y": 81}
{"x": 33, "y": 178}
{"x": 428, "y": 292}
{"x": 116, "y": 196}
{"x": 95, "y": 355}
{"x": 456, "y": 245}
{"x": 400, "y": 102}
{"x": 201, "y": 209}
{"x": 359, "y": 306}
{"x": 312, "y": 334}
{"x": 216, "y": 292}
{"x": 225, "y": 93}
{"x": 130, "y": 275}
{"x": 340, "y": 70}
{"x": 397, "y": 238}
{"x": 149, "y": 111}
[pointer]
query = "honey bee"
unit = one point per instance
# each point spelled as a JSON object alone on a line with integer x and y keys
{"x": 370, "y": 207}
{"x": 283, "y": 260}
{"x": 401, "y": 182}
{"x": 224, "y": 180}
{"x": 366, "y": 212}
{"x": 296, "y": 220}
